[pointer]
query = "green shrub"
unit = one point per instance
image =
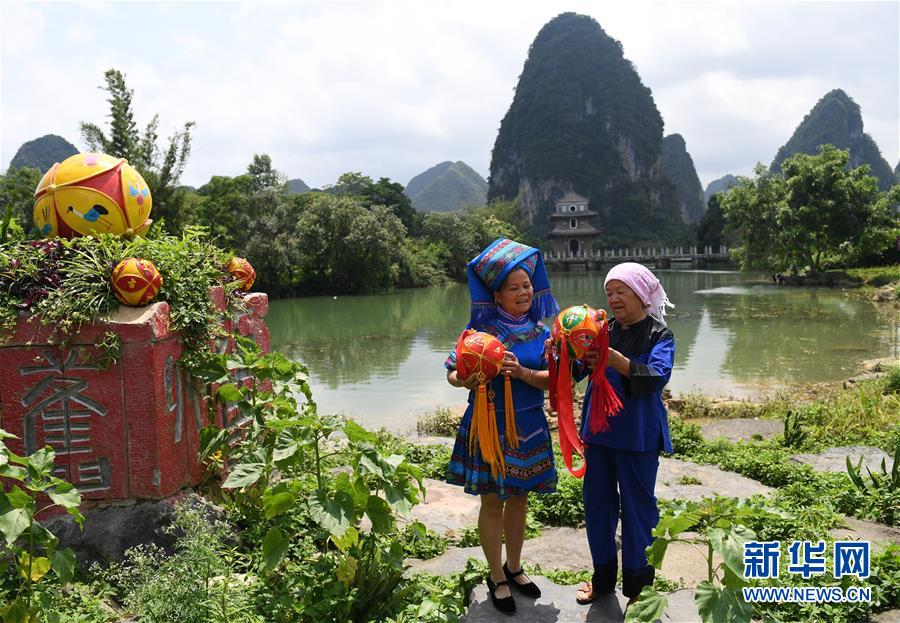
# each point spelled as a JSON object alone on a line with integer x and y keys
{"x": 563, "y": 508}
{"x": 420, "y": 542}
{"x": 686, "y": 437}
{"x": 443, "y": 422}
{"x": 892, "y": 380}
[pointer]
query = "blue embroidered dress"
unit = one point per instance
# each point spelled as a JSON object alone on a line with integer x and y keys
{"x": 530, "y": 467}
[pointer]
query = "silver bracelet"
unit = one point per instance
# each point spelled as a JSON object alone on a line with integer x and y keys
{"x": 530, "y": 374}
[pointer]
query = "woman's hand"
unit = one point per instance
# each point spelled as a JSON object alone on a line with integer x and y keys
{"x": 549, "y": 349}
{"x": 591, "y": 359}
{"x": 511, "y": 366}
{"x": 619, "y": 362}
{"x": 469, "y": 383}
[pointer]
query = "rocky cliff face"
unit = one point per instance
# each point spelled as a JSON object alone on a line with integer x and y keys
{"x": 718, "y": 185}
{"x": 582, "y": 120}
{"x": 42, "y": 153}
{"x": 678, "y": 166}
{"x": 837, "y": 119}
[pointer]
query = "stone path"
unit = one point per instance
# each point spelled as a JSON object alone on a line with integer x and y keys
{"x": 835, "y": 459}
{"x": 891, "y": 616}
{"x": 674, "y": 474}
{"x": 447, "y": 508}
{"x": 557, "y": 603}
{"x": 879, "y": 534}
{"x": 741, "y": 429}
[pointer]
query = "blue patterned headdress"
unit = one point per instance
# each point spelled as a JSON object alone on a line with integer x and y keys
{"x": 488, "y": 271}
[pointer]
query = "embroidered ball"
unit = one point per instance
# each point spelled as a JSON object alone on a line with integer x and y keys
{"x": 581, "y": 328}
{"x": 92, "y": 194}
{"x": 136, "y": 282}
{"x": 479, "y": 353}
{"x": 242, "y": 272}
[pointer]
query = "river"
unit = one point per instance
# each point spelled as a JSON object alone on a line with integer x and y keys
{"x": 380, "y": 358}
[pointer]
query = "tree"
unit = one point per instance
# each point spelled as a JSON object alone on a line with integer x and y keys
{"x": 263, "y": 175}
{"x": 17, "y": 196}
{"x": 161, "y": 169}
{"x": 712, "y": 224}
{"x": 750, "y": 208}
{"x": 351, "y": 183}
{"x": 818, "y": 212}
{"x": 348, "y": 248}
{"x": 390, "y": 194}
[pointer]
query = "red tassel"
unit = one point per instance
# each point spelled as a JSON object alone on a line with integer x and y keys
{"x": 569, "y": 441}
{"x": 554, "y": 397}
{"x": 605, "y": 403}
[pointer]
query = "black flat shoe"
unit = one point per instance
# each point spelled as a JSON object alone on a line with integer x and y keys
{"x": 507, "y": 605}
{"x": 530, "y": 589}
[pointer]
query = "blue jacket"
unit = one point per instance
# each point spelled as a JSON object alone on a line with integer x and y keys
{"x": 643, "y": 423}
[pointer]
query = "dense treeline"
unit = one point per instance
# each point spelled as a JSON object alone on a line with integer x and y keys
{"x": 817, "y": 214}
{"x": 358, "y": 235}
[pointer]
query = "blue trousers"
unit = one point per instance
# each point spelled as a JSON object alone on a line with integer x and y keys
{"x": 623, "y": 478}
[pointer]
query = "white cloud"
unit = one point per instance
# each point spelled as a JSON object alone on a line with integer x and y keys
{"x": 392, "y": 88}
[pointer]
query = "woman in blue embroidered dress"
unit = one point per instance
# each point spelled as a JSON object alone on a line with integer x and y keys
{"x": 510, "y": 295}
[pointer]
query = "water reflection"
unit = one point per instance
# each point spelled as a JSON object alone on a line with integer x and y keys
{"x": 380, "y": 357}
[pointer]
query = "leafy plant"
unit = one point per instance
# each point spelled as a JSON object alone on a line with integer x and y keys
{"x": 721, "y": 532}
{"x": 794, "y": 434}
{"x": 197, "y": 583}
{"x": 29, "y": 551}
{"x": 443, "y": 422}
{"x": 880, "y": 487}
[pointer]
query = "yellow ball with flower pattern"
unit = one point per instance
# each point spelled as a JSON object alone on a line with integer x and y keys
{"x": 136, "y": 282}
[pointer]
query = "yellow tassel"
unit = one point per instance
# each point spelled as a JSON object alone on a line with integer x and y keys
{"x": 497, "y": 462}
{"x": 512, "y": 433}
{"x": 479, "y": 420}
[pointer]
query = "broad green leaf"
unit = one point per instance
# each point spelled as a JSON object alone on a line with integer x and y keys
{"x": 729, "y": 544}
{"x": 65, "y": 495}
{"x": 356, "y": 433}
{"x": 278, "y": 499}
{"x": 285, "y": 448}
{"x": 5, "y": 435}
{"x": 368, "y": 466}
{"x": 346, "y": 570}
{"x": 380, "y": 514}
{"x": 650, "y": 607}
{"x": 721, "y": 605}
{"x": 42, "y": 461}
{"x": 18, "y": 498}
{"x": 349, "y": 539}
{"x": 38, "y": 569}
{"x": 63, "y": 564}
{"x": 242, "y": 475}
{"x": 13, "y": 471}
{"x": 332, "y": 513}
{"x": 229, "y": 393}
{"x": 275, "y": 546}
{"x": 389, "y": 464}
{"x": 671, "y": 526}
{"x": 17, "y": 612}
{"x": 396, "y": 498}
{"x": 657, "y": 551}
{"x": 13, "y": 523}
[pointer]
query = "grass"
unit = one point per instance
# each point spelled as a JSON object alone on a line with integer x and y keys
{"x": 443, "y": 423}
{"x": 877, "y": 276}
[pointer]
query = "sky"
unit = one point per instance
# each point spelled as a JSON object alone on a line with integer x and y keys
{"x": 392, "y": 88}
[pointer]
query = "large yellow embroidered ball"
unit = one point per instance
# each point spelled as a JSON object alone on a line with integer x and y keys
{"x": 242, "y": 272}
{"x": 92, "y": 194}
{"x": 136, "y": 282}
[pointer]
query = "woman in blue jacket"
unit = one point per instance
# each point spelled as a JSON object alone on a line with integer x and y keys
{"x": 622, "y": 461}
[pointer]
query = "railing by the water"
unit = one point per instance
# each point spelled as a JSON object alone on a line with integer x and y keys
{"x": 660, "y": 256}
